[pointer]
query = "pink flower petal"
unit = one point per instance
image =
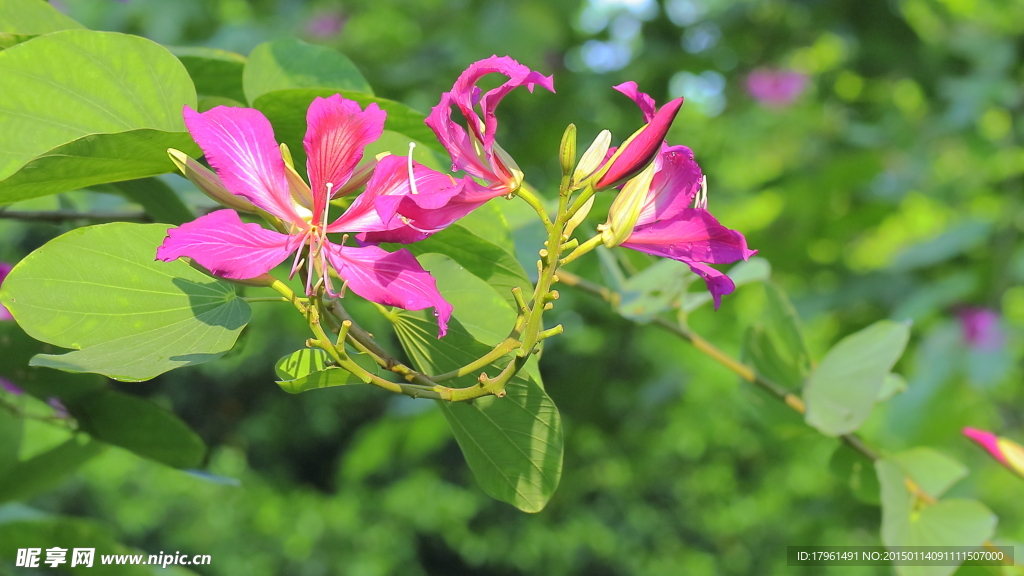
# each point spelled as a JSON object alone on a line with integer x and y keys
{"x": 336, "y": 134}
{"x": 674, "y": 186}
{"x": 391, "y": 279}
{"x": 239, "y": 144}
{"x": 5, "y": 269}
{"x": 644, "y": 101}
{"x": 643, "y": 148}
{"x": 10, "y": 388}
{"x": 389, "y": 211}
{"x": 694, "y": 237}
{"x": 227, "y": 247}
{"x": 988, "y": 441}
{"x": 981, "y": 328}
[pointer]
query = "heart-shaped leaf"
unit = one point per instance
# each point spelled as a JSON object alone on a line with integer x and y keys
{"x": 99, "y": 291}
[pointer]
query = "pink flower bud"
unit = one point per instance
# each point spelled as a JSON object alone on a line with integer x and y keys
{"x": 1007, "y": 452}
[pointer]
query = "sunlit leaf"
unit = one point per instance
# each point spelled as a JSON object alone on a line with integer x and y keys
{"x": 32, "y": 17}
{"x": 82, "y": 108}
{"x": 99, "y": 291}
{"x": 933, "y": 471}
{"x": 843, "y": 388}
{"x": 308, "y": 369}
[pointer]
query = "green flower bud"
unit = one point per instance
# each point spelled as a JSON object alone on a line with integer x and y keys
{"x": 567, "y": 151}
{"x": 208, "y": 182}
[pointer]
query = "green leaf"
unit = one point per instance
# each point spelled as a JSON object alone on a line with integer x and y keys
{"x": 776, "y": 348}
{"x": 513, "y": 444}
{"x": 11, "y": 431}
{"x": 857, "y": 471}
{"x": 83, "y": 108}
{"x": 843, "y": 388}
{"x": 933, "y": 471}
{"x": 214, "y": 72}
{"x": 754, "y": 270}
{"x": 96, "y": 160}
{"x": 70, "y": 533}
{"x": 139, "y": 426}
{"x": 286, "y": 110}
{"x": 893, "y": 384}
{"x": 308, "y": 369}
{"x": 289, "y": 63}
{"x": 99, "y": 291}
{"x": 664, "y": 286}
{"x": 44, "y": 471}
{"x": 32, "y": 17}
{"x": 655, "y": 289}
{"x": 954, "y": 522}
{"x": 485, "y": 260}
{"x": 160, "y": 202}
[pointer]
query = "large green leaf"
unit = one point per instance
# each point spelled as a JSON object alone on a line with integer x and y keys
{"x": 32, "y": 17}
{"x": 214, "y": 72}
{"x": 83, "y": 108}
{"x": 99, "y": 291}
{"x": 289, "y": 63}
{"x": 843, "y": 388}
{"x": 46, "y": 470}
{"x": 286, "y": 110}
{"x": 139, "y": 426}
{"x": 954, "y": 522}
{"x": 513, "y": 444}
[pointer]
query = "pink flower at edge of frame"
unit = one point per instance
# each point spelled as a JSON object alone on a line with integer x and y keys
{"x": 239, "y": 143}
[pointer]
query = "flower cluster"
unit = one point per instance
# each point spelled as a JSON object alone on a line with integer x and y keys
{"x": 663, "y": 209}
{"x": 404, "y": 202}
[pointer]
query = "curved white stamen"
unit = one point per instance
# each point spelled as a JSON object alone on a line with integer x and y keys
{"x": 700, "y": 200}
{"x": 412, "y": 177}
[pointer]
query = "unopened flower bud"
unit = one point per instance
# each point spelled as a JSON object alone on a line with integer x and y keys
{"x": 579, "y": 216}
{"x": 625, "y": 210}
{"x": 1007, "y": 452}
{"x": 510, "y": 165}
{"x": 567, "y": 150}
{"x": 208, "y": 182}
{"x": 641, "y": 148}
{"x": 593, "y": 157}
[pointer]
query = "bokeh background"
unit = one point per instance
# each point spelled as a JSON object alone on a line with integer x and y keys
{"x": 871, "y": 150}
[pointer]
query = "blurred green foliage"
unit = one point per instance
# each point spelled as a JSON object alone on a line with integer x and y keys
{"x": 891, "y": 188}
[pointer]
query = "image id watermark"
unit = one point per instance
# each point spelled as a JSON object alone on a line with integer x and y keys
{"x": 86, "y": 557}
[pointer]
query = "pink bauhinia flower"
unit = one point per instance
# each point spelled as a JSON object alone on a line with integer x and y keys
{"x": 776, "y": 88}
{"x": 980, "y": 328}
{"x": 5, "y": 269}
{"x": 673, "y": 221}
{"x": 1007, "y": 452}
{"x": 239, "y": 143}
{"x": 475, "y": 151}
